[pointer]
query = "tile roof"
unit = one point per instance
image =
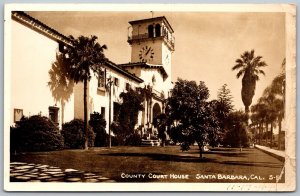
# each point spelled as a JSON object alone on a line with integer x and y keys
{"x": 155, "y": 18}
{"x": 42, "y": 28}
{"x": 147, "y": 66}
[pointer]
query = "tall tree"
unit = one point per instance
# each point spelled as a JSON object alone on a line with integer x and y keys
{"x": 271, "y": 115}
{"x": 85, "y": 56}
{"x": 278, "y": 89}
{"x": 237, "y": 135}
{"x": 60, "y": 84}
{"x": 222, "y": 108}
{"x": 249, "y": 67}
{"x": 132, "y": 103}
{"x": 258, "y": 116}
{"x": 192, "y": 115}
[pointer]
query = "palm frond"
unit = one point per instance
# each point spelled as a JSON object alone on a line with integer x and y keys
{"x": 237, "y": 66}
{"x": 241, "y": 72}
{"x": 262, "y": 64}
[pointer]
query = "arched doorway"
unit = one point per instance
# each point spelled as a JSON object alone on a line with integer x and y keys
{"x": 156, "y": 111}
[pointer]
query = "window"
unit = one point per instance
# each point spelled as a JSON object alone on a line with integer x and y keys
{"x": 127, "y": 86}
{"x": 116, "y": 81}
{"x": 61, "y": 47}
{"x": 101, "y": 78}
{"x": 53, "y": 113}
{"x": 116, "y": 111}
{"x": 150, "y": 31}
{"x": 103, "y": 112}
{"x": 157, "y": 30}
{"x": 18, "y": 114}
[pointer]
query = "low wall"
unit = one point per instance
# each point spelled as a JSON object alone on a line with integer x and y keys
{"x": 280, "y": 155}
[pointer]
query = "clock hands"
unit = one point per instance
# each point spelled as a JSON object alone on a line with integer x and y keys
{"x": 146, "y": 54}
{"x": 148, "y": 51}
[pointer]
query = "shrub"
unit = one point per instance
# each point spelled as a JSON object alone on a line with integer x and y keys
{"x": 133, "y": 140}
{"x": 98, "y": 123}
{"x": 36, "y": 133}
{"x": 127, "y": 118}
{"x": 73, "y": 133}
{"x": 120, "y": 137}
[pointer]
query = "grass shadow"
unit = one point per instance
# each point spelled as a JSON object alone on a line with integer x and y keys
{"x": 164, "y": 157}
{"x": 255, "y": 164}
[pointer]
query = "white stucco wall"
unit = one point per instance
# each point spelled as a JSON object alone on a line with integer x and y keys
{"x": 32, "y": 57}
{"x": 99, "y": 97}
{"x": 160, "y": 84}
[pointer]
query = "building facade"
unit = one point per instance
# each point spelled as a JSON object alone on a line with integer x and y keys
{"x": 152, "y": 44}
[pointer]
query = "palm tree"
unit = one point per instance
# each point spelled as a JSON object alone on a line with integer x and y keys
{"x": 259, "y": 116}
{"x": 249, "y": 67}
{"x": 60, "y": 85}
{"x": 272, "y": 103}
{"x": 85, "y": 55}
{"x": 278, "y": 90}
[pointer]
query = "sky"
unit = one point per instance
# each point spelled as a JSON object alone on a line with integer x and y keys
{"x": 206, "y": 43}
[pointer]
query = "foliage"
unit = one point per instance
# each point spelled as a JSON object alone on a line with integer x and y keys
{"x": 73, "y": 133}
{"x": 128, "y": 115}
{"x": 60, "y": 84}
{"x": 35, "y": 133}
{"x": 249, "y": 67}
{"x": 222, "y": 108}
{"x": 98, "y": 124}
{"x": 192, "y": 116}
{"x": 133, "y": 140}
{"x": 270, "y": 107}
{"x": 146, "y": 92}
{"x": 224, "y": 103}
{"x": 84, "y": 55}
{"x": 161, "y": 122}
{"x": 237, "y": 135}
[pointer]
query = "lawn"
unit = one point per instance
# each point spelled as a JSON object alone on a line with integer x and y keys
{"x": 164, "y": 164}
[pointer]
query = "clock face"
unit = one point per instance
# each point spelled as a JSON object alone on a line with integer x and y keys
{"x": 146, "y": 54}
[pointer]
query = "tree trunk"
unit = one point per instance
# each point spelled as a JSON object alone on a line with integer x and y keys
{"x": 147, "y": 112}
{"x": 260, "y": 133}
{"x": 62, "y": 111}
{"x": 85, "y": 114}
{"x": 271, "y": 145}
{"x": 200, "y": 151}
{"x": 109, "y": 117}
{"x": 279, "y": 134}
{"x": 267, "y": 136}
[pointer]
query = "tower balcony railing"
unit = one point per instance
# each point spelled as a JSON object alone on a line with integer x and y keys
{"x": 170, "y": 40}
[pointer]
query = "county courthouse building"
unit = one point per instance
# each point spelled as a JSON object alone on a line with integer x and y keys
{"x": 34, "y": 49}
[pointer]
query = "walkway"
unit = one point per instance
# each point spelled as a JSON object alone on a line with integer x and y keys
{"x": 275, "y": 153}
{"x": 24, "y": 172}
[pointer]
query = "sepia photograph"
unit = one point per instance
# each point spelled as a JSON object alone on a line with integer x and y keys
{"x": 158, "y": 97}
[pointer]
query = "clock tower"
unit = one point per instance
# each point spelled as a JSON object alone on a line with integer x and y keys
{"x": 152, "y": 42}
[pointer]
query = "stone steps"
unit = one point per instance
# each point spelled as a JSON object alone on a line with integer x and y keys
{"x": 150, "y": 142}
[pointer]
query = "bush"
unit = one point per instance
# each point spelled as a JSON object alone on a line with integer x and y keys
{"x": 73, "y": 133}
{"x": 98, "y": 123}
{"x": 36, "y": 133}
{"x": 120, "y": 137}
{"x": 236, "y": 136}
{"x": 133, "y": 140}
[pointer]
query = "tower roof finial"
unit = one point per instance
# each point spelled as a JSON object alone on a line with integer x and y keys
{"x": 152, "y": 13}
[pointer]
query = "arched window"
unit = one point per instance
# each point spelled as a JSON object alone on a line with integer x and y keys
{"x": 157, "y": 30}
{"x": 150, "y": 31}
